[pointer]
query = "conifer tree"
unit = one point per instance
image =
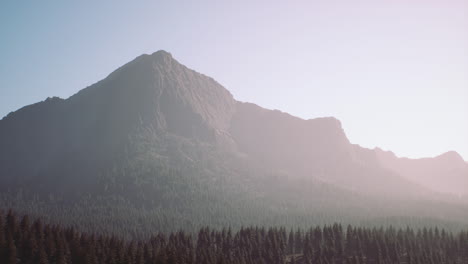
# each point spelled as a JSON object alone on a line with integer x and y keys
{"x": 11, "y": 257}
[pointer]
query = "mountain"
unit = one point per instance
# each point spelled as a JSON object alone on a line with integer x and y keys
{"x": 150, "y": 98}
{"x": 316, "y": 148}
{"x": 157, "y": 146}
{"x": 446, "y": 173}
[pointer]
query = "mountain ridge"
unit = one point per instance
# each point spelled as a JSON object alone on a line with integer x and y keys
{"x": 161, "y": 93}
{"x": 160, "y": 137}
{"x": 445, "y": 173}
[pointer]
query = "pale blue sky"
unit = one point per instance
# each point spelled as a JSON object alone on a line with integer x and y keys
{"x": 394, "y": 72}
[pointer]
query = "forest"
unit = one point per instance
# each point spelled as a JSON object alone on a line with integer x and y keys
{"x": 27, "y": 240}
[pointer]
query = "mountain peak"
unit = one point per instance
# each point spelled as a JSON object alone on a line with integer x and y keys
{"x": 161, "y": 54}
{"x": 328, "y": 121}
{"x": 451, "y": 156}
{"x": 381, "y": 152}
{"x": 146, "y": 62}
{"x": 165, "y": 94}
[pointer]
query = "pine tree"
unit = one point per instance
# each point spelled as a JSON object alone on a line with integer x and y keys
{"x": 291, "y": 245}
{"x": 11, "y": 256}
{"x": 3, "y": 241}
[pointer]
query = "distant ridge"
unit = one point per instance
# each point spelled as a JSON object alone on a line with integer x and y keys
{"x": 446, "y": 173}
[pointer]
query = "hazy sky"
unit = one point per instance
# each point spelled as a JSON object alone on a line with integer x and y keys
{"x": 394, "y": 72}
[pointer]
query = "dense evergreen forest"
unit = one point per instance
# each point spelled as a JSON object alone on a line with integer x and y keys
{"x": 24, "y": 240}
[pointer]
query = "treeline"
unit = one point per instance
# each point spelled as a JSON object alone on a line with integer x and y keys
{"x": 25, "y": 241}
{"x": 191, "y": 210}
